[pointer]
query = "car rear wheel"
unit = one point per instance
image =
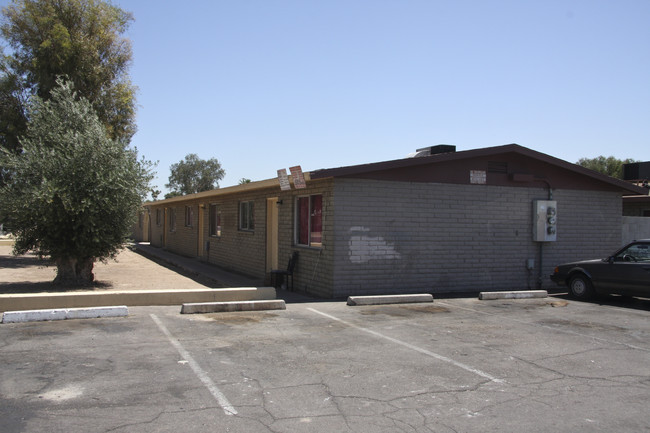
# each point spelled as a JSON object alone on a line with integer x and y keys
{"x": 580, "y": 287}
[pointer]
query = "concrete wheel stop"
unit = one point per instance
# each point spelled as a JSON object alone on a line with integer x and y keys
{"x": 389, "y": 299}
{"x": 225, "y": 307}
{"x": 64, "y": 314}
{"x": 522, "y": 294}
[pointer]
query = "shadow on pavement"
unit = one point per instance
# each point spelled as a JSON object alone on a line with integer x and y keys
{"x": 194, "y": 276}
{"x": 48, "y": 286}
{"x": 25, "y": 261}
{"x": 641, "y": 304}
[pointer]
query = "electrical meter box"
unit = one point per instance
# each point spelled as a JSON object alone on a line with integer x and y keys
{"x": 544, "y": 220}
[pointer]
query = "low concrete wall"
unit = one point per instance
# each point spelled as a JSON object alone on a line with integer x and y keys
{"x": 39, "y": 301}
{"x": 635, "y": 228}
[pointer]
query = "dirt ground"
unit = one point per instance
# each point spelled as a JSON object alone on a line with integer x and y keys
{"x": 130, "y": 271}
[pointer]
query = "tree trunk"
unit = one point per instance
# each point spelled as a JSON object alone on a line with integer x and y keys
{"x": 74, "y": 272}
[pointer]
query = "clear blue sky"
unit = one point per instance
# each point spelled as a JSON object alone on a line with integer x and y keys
{"x": 265, "y": 84}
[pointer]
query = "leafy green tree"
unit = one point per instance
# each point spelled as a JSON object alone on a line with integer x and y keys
{"x": 155, "y": 193}
{"x": 79, "y": 39}
{"x": 13, "y": 120}
{"x": 610, "y": 166}
{"x": 194, "y": 175}
{"x": 244, "y": 181}
{"x": 173, "y": 194}
{"x": 73, "y": 193}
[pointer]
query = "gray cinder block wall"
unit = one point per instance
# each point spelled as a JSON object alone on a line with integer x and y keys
{"x": 240, "y": 250}
{"x": 405, "y": 237}
{"x": 183, "y": 240}
{"x": 635, "y": 228}
{"x": 313, "y": 271}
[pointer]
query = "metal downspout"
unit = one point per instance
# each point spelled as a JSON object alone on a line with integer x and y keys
{"x": 540, "y": 274}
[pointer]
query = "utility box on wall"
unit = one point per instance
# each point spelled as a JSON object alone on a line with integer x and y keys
{"x": 544, "y": 220}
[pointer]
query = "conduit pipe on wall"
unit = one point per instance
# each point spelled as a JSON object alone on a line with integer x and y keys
{"x": 540, "y": 275}
{"x": 550, "y": 188}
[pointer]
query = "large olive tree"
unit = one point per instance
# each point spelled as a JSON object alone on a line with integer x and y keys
{"x": 73, "y": 193}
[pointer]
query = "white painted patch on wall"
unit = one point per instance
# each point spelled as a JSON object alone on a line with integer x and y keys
{"x": 363, "y": 248}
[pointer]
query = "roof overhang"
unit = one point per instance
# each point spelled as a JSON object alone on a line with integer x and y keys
{"x": 637, "y": 198}
{"x": 356, "y": 170}
{"x": 236, "y": 189}
{"x": 626, "y": 188}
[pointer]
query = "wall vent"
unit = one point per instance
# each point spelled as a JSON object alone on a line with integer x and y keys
{"x": 497, "y": 167}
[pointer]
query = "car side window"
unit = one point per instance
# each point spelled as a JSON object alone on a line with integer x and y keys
{"x": 634, "y": 253}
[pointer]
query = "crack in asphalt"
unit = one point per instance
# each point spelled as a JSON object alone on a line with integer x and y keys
{"x": 546, "y": 326}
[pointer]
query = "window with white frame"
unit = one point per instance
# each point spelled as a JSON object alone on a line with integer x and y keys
{"x": 189, "y": 216}
{"x": 309, "y": 220}
{"x": 214, "y": 220}
{"x": 247, "y": 215}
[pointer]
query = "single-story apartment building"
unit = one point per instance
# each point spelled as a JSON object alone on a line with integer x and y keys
{"x": 497, "y": 218}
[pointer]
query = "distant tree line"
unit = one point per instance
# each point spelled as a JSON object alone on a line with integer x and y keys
{"x": 193, "y": 175}
{"x": 610, "y": 166}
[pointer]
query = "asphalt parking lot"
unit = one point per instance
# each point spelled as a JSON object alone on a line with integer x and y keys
{"x": 457, "y": 365}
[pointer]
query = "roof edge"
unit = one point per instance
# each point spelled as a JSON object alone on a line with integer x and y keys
{"x": 251, "y": 186}
{"x": 473, "y": 153}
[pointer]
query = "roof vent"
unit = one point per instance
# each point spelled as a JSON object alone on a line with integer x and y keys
{"x": 435, "y": 150}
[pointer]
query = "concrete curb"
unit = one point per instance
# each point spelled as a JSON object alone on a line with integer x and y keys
{"x": 389, "y": 299}
{"x": 523, "y": 294}
{"x": 224, "y": 307}
{"x": 34, "y": 301}
{"x": 64, "y": 314}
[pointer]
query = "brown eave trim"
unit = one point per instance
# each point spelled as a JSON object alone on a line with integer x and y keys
{"x": 272, "y": 183}
{"x": 637, "y": 198}
{"x": 475, "y": 153}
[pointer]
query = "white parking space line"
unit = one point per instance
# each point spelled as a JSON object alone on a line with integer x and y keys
{"x": 198, "y": 371}
{"x": 412, "y": 347}
{"x": 553, "y": 328}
